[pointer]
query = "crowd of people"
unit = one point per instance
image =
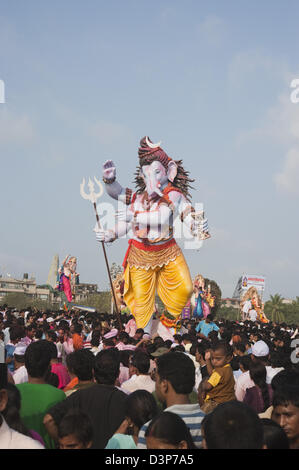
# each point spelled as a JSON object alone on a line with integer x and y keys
{"x": 76, "y": 380}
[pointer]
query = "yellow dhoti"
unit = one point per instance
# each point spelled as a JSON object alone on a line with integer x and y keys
{"x": 165, "y": 272}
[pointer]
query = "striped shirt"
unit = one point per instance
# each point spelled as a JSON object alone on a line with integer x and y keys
{"x": 191, "y": 414}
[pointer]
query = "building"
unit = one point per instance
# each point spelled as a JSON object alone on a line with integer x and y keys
{"x": 46, "y": 293}
{"x": 82, "y": 290}
{"x": 228, "y": 302}
{"x": 9, "y": 285}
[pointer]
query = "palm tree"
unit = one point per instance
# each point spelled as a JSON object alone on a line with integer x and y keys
{"x": 274, "y": 306}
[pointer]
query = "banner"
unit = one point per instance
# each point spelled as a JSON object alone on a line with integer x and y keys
{"x": 253, "y": 281}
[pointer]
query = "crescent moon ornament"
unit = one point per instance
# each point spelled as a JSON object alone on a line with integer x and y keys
{"x": 152, "y": 146}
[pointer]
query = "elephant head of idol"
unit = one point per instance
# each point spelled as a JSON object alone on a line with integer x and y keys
{"x": 156, "y": 170}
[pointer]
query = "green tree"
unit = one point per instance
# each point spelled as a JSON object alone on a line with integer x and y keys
{"x": 21, "y": 301}
{"x": 274, "y": 308}
{"x": 100, "y": 301}
{"x": 228, "y": 313}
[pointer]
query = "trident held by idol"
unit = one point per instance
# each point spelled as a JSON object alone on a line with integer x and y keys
{"x": 92, "y": 196}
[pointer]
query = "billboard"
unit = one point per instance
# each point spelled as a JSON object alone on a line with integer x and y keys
{"x": 253, "y": 281}
{"x": 246, "y": 281}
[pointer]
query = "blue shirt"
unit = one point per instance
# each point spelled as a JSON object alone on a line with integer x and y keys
{"x": 206, "y": 328}
{"x": 10, "y": 349}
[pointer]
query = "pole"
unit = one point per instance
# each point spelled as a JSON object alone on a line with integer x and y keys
{"x": 109, "y": 274}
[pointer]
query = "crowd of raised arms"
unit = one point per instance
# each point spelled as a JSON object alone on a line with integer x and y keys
{"x": 76, "y": 380}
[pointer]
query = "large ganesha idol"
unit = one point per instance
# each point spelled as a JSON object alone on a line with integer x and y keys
{"x": 154, "y": 263}
{"x": 252, "y": 300}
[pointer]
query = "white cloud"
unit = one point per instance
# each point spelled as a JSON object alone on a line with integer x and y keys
{"x": 280, "y": 122}
{"x": 287, "y": 179}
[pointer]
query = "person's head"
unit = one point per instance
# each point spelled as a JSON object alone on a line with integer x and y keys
{"x": 168, "y": 343}
{"x": 232, "y": 425}
{"x": 158, "y": 342}
{"x": 106, "y": 366}
{"x": 274, "y": 435}
{"x": 235, "y": 363}
{"x": 198, "y": 350}
{"x": 53, "y": 351}
{"x": 140, "y": 408}
{"x": 139, "y": 334}
{"x": 239, "y": 349}
{"x": 76, "y": 328}
{"x": 124, "y": 337}
{"x": 30, "y": 331}
{"x": 51, "y": 336}
{"x": 244, "y": 362}
{"x": 168, "y": 431}
{"x": 284, "y": 378}
{"x": 80, "y": 363}
{"x": 258, "y": 374}
{"x": 15, "y": 334}
{"x": 226, "y": 334}
{"x": 177, "y": 338}
{"x": 19, "y": 355}
{"x": 286, "y": 412}
{"x": 221, "y": 353}
{"x": 186, "y": 338}
{"x": 210, "y": 318}
{"x": 278, "y": 359}
{"x": 175, "y": 375}
{"x": 75, "y": 431}
{"x": 95, "y": 339}
{"x": 39, "y": 334}
{"x": 37, "y": 359}
{"x": 213, "y": 336}
{"x": 139, "y": 363}
{"x": 260, "y": 352}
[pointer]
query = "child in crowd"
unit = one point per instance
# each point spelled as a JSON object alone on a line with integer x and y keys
{"x": 219, "y": 386}
{"x": 75, "y": 431}
{"x": 140, "y": 407}
{"x": 168, "y": 431}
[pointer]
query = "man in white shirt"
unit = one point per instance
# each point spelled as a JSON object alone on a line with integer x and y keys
{"x": 245, "y": 310}
{"x": 252, "y": 315}
{"x": 11, "y": 439}
{"x": 20, "y": 374}
{"x": 139, "y": 371}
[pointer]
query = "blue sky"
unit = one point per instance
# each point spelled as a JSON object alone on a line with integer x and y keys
{"x": 86, "y": 80}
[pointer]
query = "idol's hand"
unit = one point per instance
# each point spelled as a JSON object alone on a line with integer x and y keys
{"x": 125, "y": 215}
{"x": 109, "y": 170}
{"x": 105, "y": 236}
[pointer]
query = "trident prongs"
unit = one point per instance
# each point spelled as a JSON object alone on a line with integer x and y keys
{"x": 92, "y": 196}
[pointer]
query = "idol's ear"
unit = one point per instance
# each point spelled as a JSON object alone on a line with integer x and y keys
{"x": 172, "y": 170}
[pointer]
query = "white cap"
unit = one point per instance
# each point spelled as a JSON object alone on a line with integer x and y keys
{"x": 50, "y": 319}
{"x": 260, "y": 349}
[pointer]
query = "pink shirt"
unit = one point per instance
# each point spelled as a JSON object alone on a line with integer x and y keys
{"x": 131, "y": 327}
{"x": 61, "y": 371}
